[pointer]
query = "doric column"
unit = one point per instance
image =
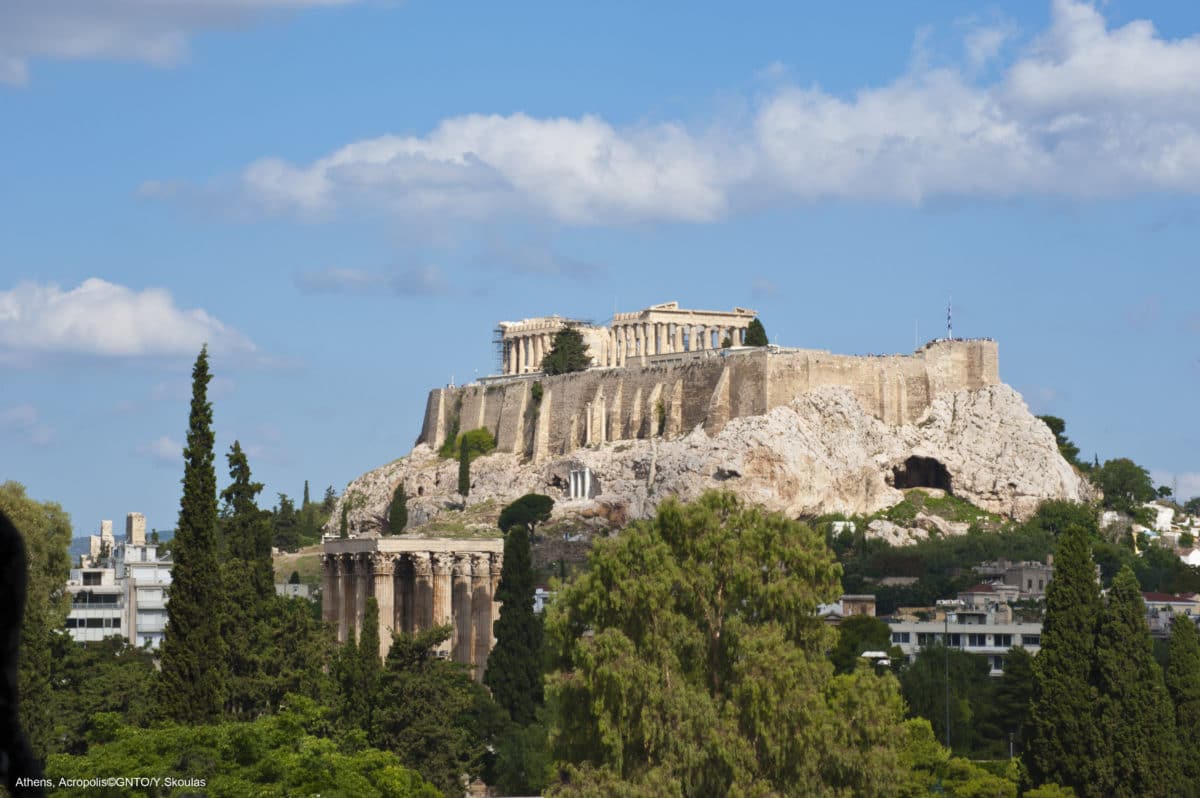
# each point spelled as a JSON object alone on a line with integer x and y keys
{"x": 508, "y": 359}
{"x": 345, "y": 596}
{"x": 422, "y": 591}
{"x": 481, "y": 612}
{"x": 619, "y": 352}
{"x": 677, "y": 338}
{"x": 537, "y": 353}
{"x": 329, "y": 586}
{"x": 464, "y": 626}
{"x": 443, "y": 593}
{"x": 383, "y": 567}
{"x": 647, "y": 338}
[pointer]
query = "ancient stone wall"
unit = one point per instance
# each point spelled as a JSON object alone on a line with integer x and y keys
{"x": 668, "y": 395}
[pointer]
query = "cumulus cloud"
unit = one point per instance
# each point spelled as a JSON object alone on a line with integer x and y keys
{"x": 24, "y": 421}
{"x": 154, "y": 32}
{"x": 162, "y": 450}
{"x": 99, "y": 318}
{"x": 1081, "y": 111}
{"x": 417, "y": 281}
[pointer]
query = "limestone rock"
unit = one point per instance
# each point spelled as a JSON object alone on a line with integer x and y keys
{"x": 821, "y": 453}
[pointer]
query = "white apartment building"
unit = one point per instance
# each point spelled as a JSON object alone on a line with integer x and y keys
{"x": 126, "y": 595}
{"x": 986, "y": 630}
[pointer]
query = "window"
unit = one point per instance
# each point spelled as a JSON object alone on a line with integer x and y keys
{"x": 997, "y": 663}
{"x": 1029, "y": 583}
{"x": 1004, "y": 641}
{"x": 956, "y": 640}
{"x": 91, "y": 577}
{"x": 95, "y": 623}
{"x": 70, "y": 623}
{"x": 926, "y": 639}
{"x": 1040, "y": 584}
{"x": 900, "y": 637}
{"x": 976, "y": 641}
{"x": 1031, "y": 640}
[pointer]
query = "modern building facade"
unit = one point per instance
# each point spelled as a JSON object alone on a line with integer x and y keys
{"x": 987, "y": 631}
{"x": 121, "y": 588}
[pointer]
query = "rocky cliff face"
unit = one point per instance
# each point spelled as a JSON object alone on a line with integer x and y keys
{"x": 821, "y": 453}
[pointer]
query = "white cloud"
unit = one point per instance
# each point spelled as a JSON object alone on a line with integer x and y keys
{"x": 99, "y": 318}
{"x": 162, "y": 450}
{"x": 155, "y": 32}
{"x": 1082, "y": 112}
{"x": 23, "y": 420}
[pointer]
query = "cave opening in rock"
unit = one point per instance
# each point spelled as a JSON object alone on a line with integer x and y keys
{"x": 921, "y": 472}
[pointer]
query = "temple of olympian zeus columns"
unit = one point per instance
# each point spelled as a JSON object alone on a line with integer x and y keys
{"x": 658, "y": 330}
{"x": 418, "y": 583}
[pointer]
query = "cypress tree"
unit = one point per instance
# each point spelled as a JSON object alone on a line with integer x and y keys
{"x": 514, "y": 671}
{"x": 398, "y": 511}
{"x": 756, "y": 334}
{"x": 464, "y": 470}
{"x": 1063, "y": 736}
{"x": 344, "y": 523}
{"x": 305, "y": 504}
{"x": 1183, "y": 684}
{"x": 191, "y": 684}
{"x": 1134, "y": 709}
{"x": 247, "y": 528}
{"x": 370, "y": 665}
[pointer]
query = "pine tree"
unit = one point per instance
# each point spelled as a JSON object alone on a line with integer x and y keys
{"x": 1183, "y": 684}
{"x": 398, "y": 511}
{"x": 756, "y": 334}
{"x": 464, "y": 470}
{"x": 1134, "y": 710}
{"x": 191, "y": 685}
{"x": 1063, "y": 736}
{"x": 514, "y": 671}
{"x": 329, "y": 501}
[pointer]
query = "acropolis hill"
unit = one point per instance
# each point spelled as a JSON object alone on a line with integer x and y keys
{"x": 675, "y": 404}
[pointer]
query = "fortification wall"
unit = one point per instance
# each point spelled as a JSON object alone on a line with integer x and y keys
{"x": 672, "y": 395}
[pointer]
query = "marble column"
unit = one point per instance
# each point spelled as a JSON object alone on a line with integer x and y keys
{"x": 538, "y": 354}
{"x": 362, "y": 580}
{"x": 481, "y": 612}
{"x": 329, "y": 587}
{"x": 463, "y": 625}
{"x": 678, "y": 337}
{"x": 422, "y": 591}
{"x": 497, "y": 567}
{"x": 443, "y": 594}
{"x": 383, "y": 569}
{"x": 345, "y": 596}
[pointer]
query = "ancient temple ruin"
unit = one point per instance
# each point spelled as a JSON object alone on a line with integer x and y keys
{"x": 662, "y": 329}
{"x": 418, "y": 583}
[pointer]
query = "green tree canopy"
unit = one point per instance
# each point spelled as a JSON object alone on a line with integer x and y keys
{"x": 528, "y": 511}
{"x": 690, "y": 660}
{"x": 568, "y": 353}
{"x": 756, "y": 334}
{"x": 290, "y": 753}
{"x": 514, "y": 668}
{"x": 45, "y": 529}
{"x": 1183, "y": 685}
{"x": 1126, "y": 484}
{"x": 191, "y": 684}
{"x": 398, "y": 511}
{"x": 1063, "y": 735}
{"x": 433, "y": 715}
{"x": 924, "y": 687}
{"x": 1140, "y": 754}
{"x": 857, "y": 634}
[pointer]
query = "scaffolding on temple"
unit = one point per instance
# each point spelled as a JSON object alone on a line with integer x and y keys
{"x": 498, "y": 348}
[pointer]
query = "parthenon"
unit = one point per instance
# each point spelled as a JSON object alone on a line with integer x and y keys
{"x": 418, "y": 583}
{"x": 656, "y": 330}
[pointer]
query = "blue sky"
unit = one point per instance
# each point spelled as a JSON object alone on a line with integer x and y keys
{"x": 342, "y": 198}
